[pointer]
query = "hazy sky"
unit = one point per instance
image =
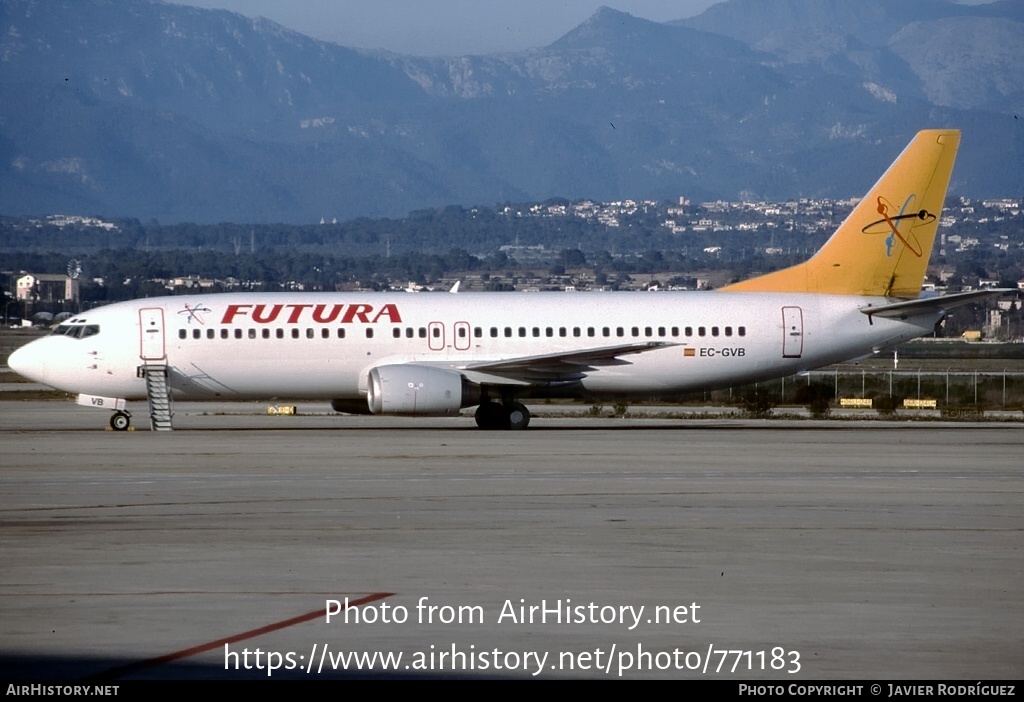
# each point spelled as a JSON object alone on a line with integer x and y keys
{"x": 445, "y": 27}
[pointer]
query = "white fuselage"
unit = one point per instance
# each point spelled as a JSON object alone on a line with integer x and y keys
{"x": 323, "y": 345}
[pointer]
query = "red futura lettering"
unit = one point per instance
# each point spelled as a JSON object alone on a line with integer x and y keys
{"x": 318, "y": 313}
{"x": 391, "y": 311}
{"x": 296, "y": 311}
{"x": 259, "y": 317}
{"x": 360, "y": 312}
{"x": 232, "y": 310}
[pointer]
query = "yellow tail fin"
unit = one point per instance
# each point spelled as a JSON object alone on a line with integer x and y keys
{"x": 882, "y": 248}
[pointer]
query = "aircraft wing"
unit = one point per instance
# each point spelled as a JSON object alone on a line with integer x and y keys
{"x": 909, "y": 308}
{"x": 565, "y": 366}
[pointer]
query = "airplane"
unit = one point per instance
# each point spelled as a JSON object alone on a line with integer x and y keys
{"x": 436, "y": 354}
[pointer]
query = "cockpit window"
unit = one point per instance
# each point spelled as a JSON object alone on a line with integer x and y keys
{"x": 77, "y": 331}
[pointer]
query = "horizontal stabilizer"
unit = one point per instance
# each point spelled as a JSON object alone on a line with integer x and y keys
{"x": 926, "y": 305}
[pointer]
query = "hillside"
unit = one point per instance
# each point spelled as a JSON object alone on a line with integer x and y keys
{"x": 152, "y": 110}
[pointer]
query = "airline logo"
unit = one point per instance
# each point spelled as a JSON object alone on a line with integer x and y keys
{"x": 893, "y": 217}
{"x": 195, "y": 314}
{"x": 296, "y": 313}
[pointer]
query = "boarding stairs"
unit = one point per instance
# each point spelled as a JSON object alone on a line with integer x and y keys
{"x": 159, "y": 392}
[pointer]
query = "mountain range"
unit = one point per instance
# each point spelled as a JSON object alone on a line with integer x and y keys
{"x": 151, "y": 110}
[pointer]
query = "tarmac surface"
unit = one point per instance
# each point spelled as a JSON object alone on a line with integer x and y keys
{"x": 770, "y": 550}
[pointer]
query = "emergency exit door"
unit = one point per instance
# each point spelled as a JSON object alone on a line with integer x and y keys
{"x": 793, "y": 332}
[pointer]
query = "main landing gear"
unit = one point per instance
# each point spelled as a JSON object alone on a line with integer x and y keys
{"x": 506, "y": 415}
{"x": 120, "y": 420}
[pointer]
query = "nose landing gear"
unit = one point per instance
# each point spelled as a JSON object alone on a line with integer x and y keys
{"x": 120, "y": 420}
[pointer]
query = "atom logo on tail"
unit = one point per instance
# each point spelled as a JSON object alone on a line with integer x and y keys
{"x": 890, "y": 224}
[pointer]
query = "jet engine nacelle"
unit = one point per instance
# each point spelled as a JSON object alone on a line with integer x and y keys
{"x": 415, "y": 389}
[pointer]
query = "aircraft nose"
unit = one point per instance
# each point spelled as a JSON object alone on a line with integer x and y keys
{"x": 27, "y": 362}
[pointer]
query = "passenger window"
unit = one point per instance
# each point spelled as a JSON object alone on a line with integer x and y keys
{"x": 197, "y": 334}
{"x": 265, "y": 333}
{"x": 701, "y": 331}
{"x": 508, "y": 332}
{"x": 605, "y": 331}
{"x": 619, "y": 331}
{"x": 728, "y": 331}
{"x": 576, "y": 331}
{"x": 494, "y": 332}
{"x": 548, "y": 331}
{"x": 590, "y": 331}
{"x": 252, "y": 333}
{"x": 238, "y": 333}
{"x": 561, "y": 331}
{"x": 341, "y": 332}
{"x": 224, "y": 333}
{"x": 182, "y": 333}
{"x": 397, "y": 333}
{"x": 675, "y": 331}
{"x": 325, "y": 333}
{"x": 742, "y": 331}
{"x": 648, "y": 332}
{"x": 522, "y": 331}
{"x": 536, "y": 331}
{"x": 295, "y": 333}
{"x": 689, "y": 331}
{"x": 714, "y": 331}
{"x": 436, "y": 332}
{"x": 478, "y": 332}
{"x": 369, "y": 333}
{"x": 423, "y": 332}
{"x": 635, "y": 331}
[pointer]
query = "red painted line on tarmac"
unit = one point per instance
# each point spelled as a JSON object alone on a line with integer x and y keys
{"x": 130, "y": 668}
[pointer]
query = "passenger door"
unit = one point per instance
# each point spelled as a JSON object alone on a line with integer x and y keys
{"x": 151, "y": 334}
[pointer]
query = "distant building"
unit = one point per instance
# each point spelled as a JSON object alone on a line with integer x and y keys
{"x": 191, "y": 281}
{"x": 42, "y": 287}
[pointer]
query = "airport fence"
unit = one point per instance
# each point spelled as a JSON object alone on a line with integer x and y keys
{"x": 951, "y": 392}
